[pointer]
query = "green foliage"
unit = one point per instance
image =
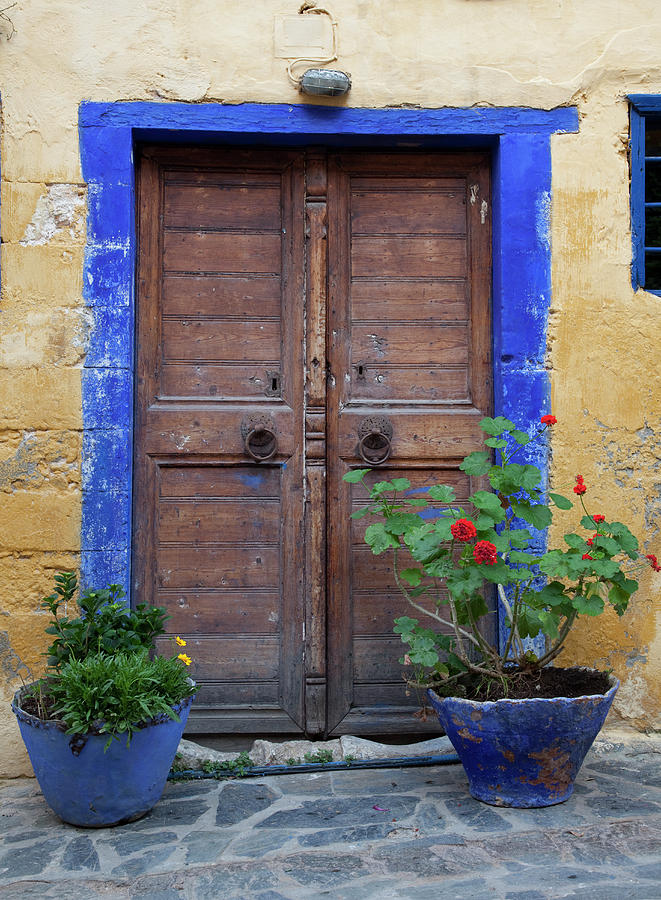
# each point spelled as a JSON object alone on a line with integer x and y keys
{"x": 105, "y": 625}
{"x": 318, "y": 756}
{"x": 230, "y": 768}
{"x": 118, "y": 694}
{"x": 446, "y": 576}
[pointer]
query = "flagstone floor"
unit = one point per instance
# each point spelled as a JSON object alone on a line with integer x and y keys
{"x": 390, "y": 834}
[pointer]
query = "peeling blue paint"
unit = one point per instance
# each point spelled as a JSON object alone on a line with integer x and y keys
{"x": 519, "y": 140}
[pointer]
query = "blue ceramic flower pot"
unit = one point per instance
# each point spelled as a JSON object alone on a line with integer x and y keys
{"x": 87, "y": 787}
{"x": 523, "y": 753}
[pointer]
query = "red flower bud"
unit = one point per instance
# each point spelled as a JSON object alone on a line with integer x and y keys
{"x": 579, "y": 487}
{"x": 548, "y": 420}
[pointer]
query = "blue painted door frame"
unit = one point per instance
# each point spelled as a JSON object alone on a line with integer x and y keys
{"x": 521, "y": 182}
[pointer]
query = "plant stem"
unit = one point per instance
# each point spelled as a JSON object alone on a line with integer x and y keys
{"x": 557, "y": 646}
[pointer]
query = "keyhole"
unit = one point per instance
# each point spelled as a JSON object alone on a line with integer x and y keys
{"x": 361, "y": 371}
{"x": 274, "y": 384}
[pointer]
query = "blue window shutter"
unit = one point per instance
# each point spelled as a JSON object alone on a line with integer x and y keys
{"x": 637, "y": 157}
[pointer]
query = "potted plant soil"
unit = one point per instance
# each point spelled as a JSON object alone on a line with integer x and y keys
{"x": 521, "y": 727}
{"x": 103, "y": 724}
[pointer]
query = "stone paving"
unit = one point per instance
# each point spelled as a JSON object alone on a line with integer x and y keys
{"x": 390, "y": 834}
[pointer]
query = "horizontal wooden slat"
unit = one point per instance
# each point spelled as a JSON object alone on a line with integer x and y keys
{"x": 408, "y": 256}
{"x": 219, "y": 481}
{"x": 424, "y": 384}
{"x": 376, "y": 660}
{"x": 375, "y": 613}
{"x": 423, "y": 345}
{"x": 232, "y": 695}
{"x": 227, "y": 658}
{"x": 214, "y": 295}
{"x": 174, "y": 428}
{"x": 206, "y": 612}
{"x": 218, "y": 567}
{"x": 218, "y": 521}
{"x": 253, "y": 207}
{"x": 409, "y": 301}
{"x": 221, "y": 252}
{"x": 410, "y": 210}
{"x": 388, "y": 695}
{"x": 219, "y": 381}
{"x": 221, "y": 340}
{"x": 418, "y": 435}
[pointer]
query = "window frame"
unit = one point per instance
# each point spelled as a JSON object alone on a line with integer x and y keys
{"x": 642, "y": 107}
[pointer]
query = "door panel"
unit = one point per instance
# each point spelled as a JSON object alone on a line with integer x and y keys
{"x": 305, "y": 291}
{"x": 416, "y": 232}
{"x": 218, "y": 536}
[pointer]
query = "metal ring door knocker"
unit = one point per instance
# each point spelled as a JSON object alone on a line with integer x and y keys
{"x": 259, "y": 438}
{"x": 375, "y": 440}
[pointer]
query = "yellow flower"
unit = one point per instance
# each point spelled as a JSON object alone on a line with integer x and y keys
{"x": 186, "y": 660}
{"x": 180, "y": 641}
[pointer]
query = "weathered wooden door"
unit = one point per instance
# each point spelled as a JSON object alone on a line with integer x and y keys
{"x": 294, "y": 307}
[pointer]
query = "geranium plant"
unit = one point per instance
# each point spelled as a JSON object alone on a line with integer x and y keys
{"x": 455, "y": 556}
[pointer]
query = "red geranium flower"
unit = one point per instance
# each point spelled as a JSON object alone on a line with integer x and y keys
{"x": 548, "y": 420}
{"x": 599, "y": 518}
{"x": 579, "y": 487}
{"x": 463, "y": 530}
{"x": 589, "y": 542}
{"x": 653, "y": 562}
{"x": 587, "y": 556}
{"x": 485, "y": 552}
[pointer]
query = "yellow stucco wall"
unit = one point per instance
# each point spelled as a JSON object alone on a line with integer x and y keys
{"x": 603, "y": 337}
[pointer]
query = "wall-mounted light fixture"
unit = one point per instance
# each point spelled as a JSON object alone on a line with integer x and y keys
{"x": 318, "y": 81}
{"x": 325, "y": 82}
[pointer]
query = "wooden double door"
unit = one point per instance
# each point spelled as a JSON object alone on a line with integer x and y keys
{"x": 296, "y": 308}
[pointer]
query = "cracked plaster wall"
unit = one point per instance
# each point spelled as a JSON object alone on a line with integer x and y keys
{"x": 603, "y": 337}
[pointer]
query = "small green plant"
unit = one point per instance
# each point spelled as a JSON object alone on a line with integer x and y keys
{"x": 293, "y": 761}
{"x": 318, "y": 756}
{"x": 113, "y": 695}
{"x": 236, "y": 768}
{"x": 105, "y": 625}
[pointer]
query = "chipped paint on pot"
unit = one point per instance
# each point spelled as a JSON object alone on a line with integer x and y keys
{"x": 523, "y": 753}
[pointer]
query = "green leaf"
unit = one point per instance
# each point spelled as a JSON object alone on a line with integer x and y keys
{"x": 496, "y": 443}
{"x": 549, "y": 622}
{"x": 605, "y": 568}
{"x": 514, "y": 477}
{"x": 552, "y": 594}
{"x": 489, "y": 504}
{"x": 380, "y": 488}
{"x": 399, "y": 523}
{"x": 442, "y": 492}
{"x": 355, "y": 476}
{"x": 611, "y": 546}
{"x": 379, "y": 539}
{"x": 539, "y": 516}
{"x": 496, "y": 426}
{"x": 401, "y": 484}
{"x": 442, "y": 529}
{"x": 464, "y": 582}
{"x": 423, "y": 542}
{"x": 519, "y": 538}
{"x": 404, "y": 625}
{"x": 588, "y": 606}
{"x": 520, "y": 556}
{"x": 521, "y": 437}
{"x": 625, "y": 539}
{"x": 574, "y": 541}
{"x": 412, "y": 576}
{"x": 560, "y": 501}
{"x": 477, "y": 463}
{"x": 359, "y": 513}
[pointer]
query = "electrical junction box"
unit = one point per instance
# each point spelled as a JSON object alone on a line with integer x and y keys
{"x": 309, "y": 36}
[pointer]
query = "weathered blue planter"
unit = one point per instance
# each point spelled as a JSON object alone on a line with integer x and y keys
{"x": 87, "y": 787}
{"x": 523, "y": 753}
